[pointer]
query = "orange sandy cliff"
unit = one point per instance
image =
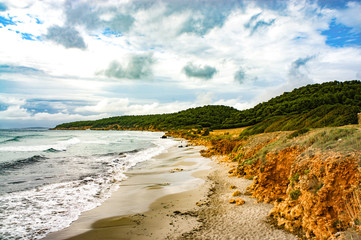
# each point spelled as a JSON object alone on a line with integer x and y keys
{"x": 313, "y": 179}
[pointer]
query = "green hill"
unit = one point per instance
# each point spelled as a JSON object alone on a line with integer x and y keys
{"x": 317, "y": 105}
{"x": 200, "y": 117}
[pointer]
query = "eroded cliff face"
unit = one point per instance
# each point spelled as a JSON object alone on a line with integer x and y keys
{"x": 318, "y": 195}
{"x": 312, "y": 180}
{"x": 273, "y": 176}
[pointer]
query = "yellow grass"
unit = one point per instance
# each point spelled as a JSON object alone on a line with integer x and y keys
{"x": 234, "y": 132}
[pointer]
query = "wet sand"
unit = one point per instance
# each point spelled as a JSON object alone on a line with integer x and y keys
{"x": 177, "y": 170}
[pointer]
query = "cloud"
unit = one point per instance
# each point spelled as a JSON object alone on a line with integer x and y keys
{"x": 240, "y": 75}
{"x": 123, "y": 106}
{"x": 298, "y": 72}
{"x": 81, "y": 13}
{"x": 350, "y": 16}
{"x": 3, "y": 7}
{"x": 120, "y": 22}
{"x": 94, "y": 16}
{"x": 205, "y": 98}
{"x": 138, "y": 67}
{"x": 252, "y": 20}
{"x": 17, "y": 113}
{"x": 66, "y": 36}
{"x": 19, "y": 69}
{"x": 255, "y": 25}
{"x": 201, "y": 16}
{"x": 206, "y": 72}
{"x": 18, "y": 117}
{"x": 105, "y": 106}
{"x": 201, "y": 22}
{"x": 180, "y": 35}
{"x": 11, "y": 100}
{"x": 301, "y": 62}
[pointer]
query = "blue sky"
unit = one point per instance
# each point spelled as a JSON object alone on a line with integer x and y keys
{"x": 69, "y": 60}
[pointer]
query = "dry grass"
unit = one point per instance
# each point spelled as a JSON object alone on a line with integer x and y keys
{"x": 234, "y": 132}
{"x": 353, "y": 210}
{"x": 353, "y": 207}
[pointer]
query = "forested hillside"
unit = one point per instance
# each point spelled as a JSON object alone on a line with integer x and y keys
{"x": 200, "y": 117}
{"x": 317, "y": 105}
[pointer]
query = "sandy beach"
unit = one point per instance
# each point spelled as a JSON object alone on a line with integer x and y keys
{"x": 177, "y": 195}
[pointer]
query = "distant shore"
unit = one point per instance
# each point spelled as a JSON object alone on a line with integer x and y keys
{"x": 186, "y": 197}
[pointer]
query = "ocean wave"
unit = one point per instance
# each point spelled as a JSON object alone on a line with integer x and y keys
{"x": 18, "y": 138}
{"x": 122, "y": 154}
{"x": 21, "y": 163}
{"x": 52, "y": 207}
{"x": 14, "y": 139}
{"x": 59, "y": 146}
{"x": 52, "y": 150}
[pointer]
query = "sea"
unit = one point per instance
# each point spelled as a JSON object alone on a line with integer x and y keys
{"x": 49, "y": 177}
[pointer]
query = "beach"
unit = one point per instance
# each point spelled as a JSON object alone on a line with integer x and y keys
{"x": 177, "y": 195}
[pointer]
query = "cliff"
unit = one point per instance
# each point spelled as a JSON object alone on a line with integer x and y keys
{"x": 311, "y": 177}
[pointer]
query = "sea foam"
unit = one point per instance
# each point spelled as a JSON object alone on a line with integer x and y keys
{"x": 53, "y": 207}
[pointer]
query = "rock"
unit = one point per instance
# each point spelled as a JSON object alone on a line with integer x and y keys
{"x": 240, "y": 201}
{"x": 236, "y": 193}
{"x": 176, "y": 170}
{"x": 232, "y": 187}
{"x": 164, "y": 136}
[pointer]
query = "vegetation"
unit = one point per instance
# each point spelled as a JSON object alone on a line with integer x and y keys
{"x": 298, "y": 133}
{"x": 313, "y": 106}
{"x": 322, "y": 116}
{"x": 295, "y": 194}
{"x": 303, "y": 100}
{"x": 201, "y": 117}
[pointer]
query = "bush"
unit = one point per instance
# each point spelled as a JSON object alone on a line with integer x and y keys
{"x": 295, "y": 194}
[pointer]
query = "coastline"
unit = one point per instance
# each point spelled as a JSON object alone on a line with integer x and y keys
{"x": 199, "y": 209}
{"x": 173, "y": 171}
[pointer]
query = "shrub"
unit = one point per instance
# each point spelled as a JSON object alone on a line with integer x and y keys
{"x": 295, "y": 178}
{"x": 295, "y": 194}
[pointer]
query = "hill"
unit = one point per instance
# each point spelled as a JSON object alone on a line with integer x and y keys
{"x": 312, "y": 106}
{"x": 200, "y": 117}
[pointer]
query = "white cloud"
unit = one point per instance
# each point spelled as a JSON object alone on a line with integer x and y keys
{"x": 204, "y": 99}
{"x": 14, "y": 112}
{"x": 350, "y": 16}
{"x": 11, "y": 100}
{"x": 124, "y": 106}
{"x": 17, "y": 116}
{"x": 106, "y": 106}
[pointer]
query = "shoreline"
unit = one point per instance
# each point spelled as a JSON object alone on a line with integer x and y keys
{"x": 173, "y": 171}
{"x": 201, "y": 212}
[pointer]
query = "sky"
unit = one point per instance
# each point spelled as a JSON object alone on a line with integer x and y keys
{"x": 73, "y": 60}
